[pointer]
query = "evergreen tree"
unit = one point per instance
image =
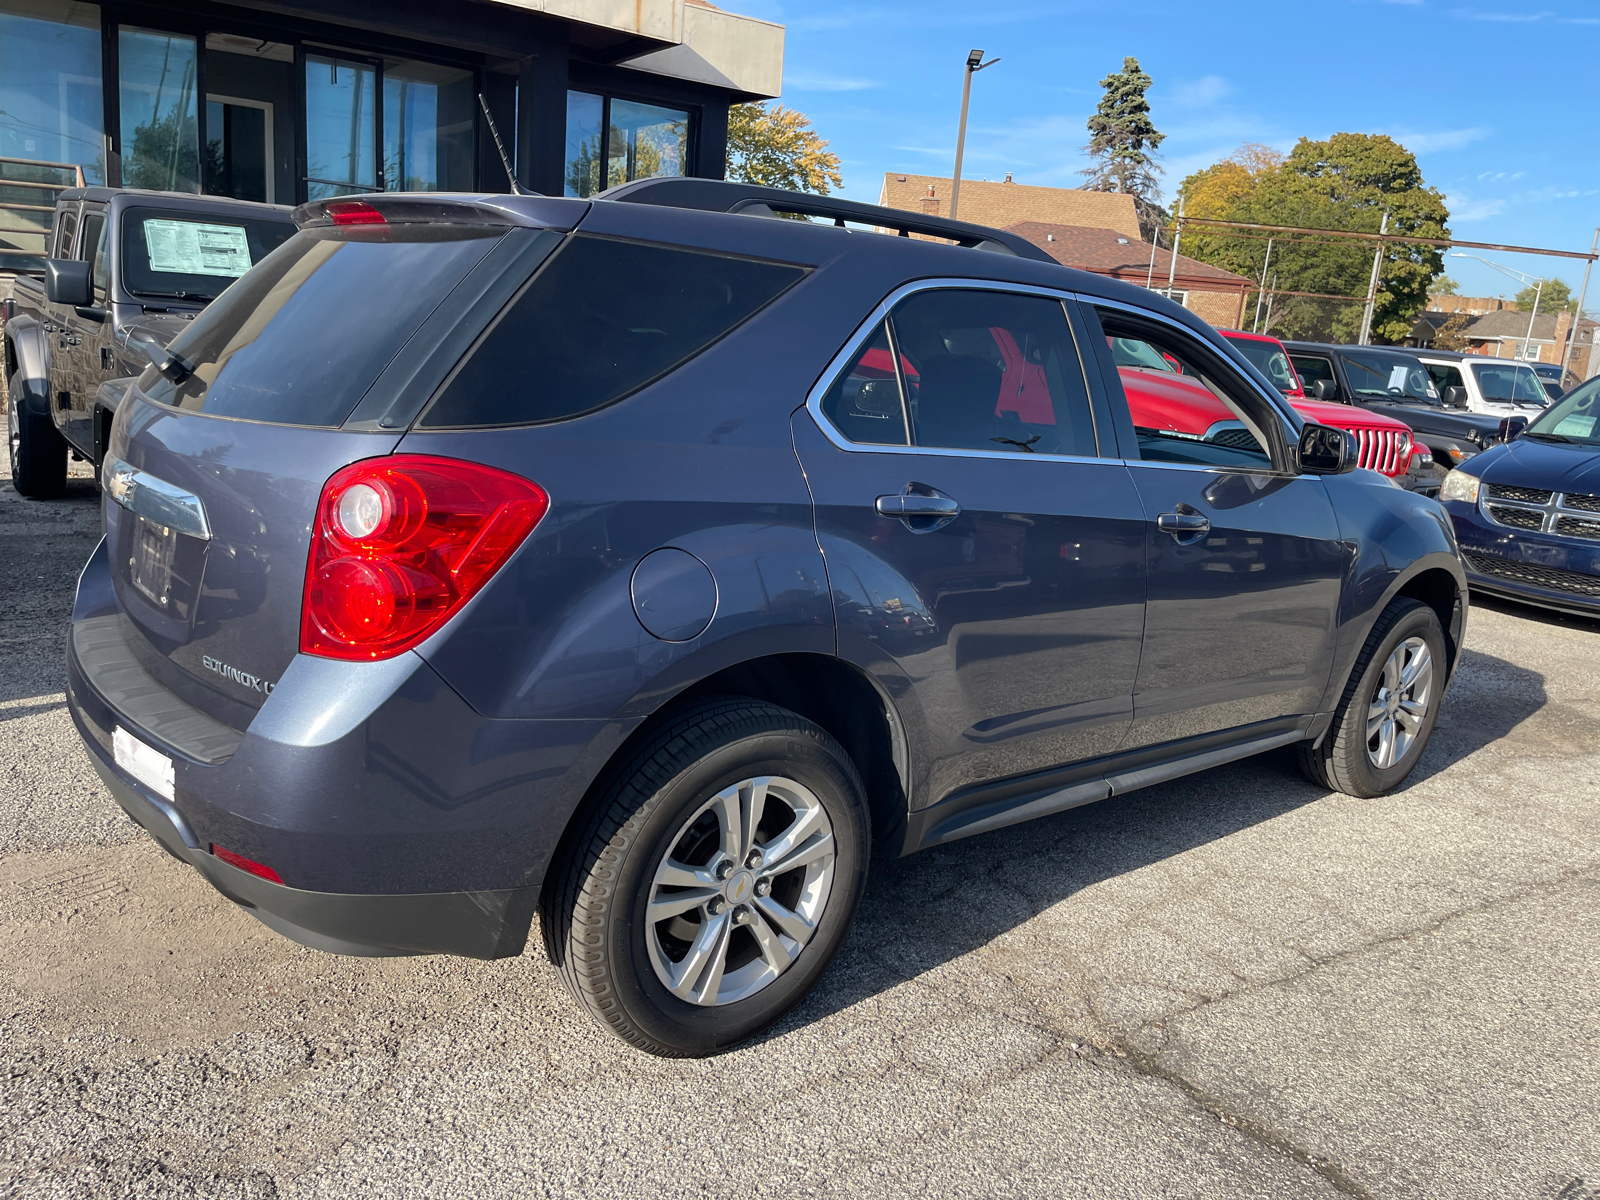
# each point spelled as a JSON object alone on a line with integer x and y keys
{"x": 1123, "y": 142}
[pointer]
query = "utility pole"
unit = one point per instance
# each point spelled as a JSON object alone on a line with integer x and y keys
{"x": 975, "y": 64}
{"x": 1262, "y": 294}
{"x": 1372, "y": 287}
{"x": 1177, "y": 240}
{"x": 1572, "y": 334}
{"x": 1527, "y": 342}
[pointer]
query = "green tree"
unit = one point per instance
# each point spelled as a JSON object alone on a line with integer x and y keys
{"x": 1344, "y": 183}
{"x": 1445, "y": 286}
{"x": 1557, "y": 296}
{"x": 1452, "y": 335}
{"x": 1123, "y": 142}
{"x": 777, "y": 147}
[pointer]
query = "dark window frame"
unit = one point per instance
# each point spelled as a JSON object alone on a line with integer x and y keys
{"x": 607, "y": 94}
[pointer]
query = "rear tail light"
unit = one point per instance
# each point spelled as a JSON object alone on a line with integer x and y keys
{"x": 401, "y": 543}
{"x": 246, "y": 864}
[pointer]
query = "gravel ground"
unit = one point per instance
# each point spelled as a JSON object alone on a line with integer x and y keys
{"x": 1234, "y": 985}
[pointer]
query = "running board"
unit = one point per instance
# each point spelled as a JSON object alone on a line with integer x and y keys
{"x": 1012, "y": 801}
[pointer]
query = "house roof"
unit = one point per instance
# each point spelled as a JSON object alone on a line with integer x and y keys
{"x": 1108, "y": 252}
{"x": 1000, "y": 205}
{"x": 1506, "y": 324}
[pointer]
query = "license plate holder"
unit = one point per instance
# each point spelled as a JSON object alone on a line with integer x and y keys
{"x": 144, "y": 762}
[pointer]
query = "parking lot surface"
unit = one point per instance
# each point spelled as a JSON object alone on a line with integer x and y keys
{"x": 1234, "y": 985}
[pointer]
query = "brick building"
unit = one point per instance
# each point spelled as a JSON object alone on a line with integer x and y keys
{"x": 1503, "y": 333}
{"x": 1000, "y": 205}
{"x": 1212, "y": 294}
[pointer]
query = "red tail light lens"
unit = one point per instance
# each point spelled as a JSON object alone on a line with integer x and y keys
{"x": 246, "y": 864}
{"x": 355, "y": 212}
{"x": 401, "y": 543}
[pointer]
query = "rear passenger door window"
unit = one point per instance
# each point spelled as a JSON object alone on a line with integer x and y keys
{"x": 968, "y": 369}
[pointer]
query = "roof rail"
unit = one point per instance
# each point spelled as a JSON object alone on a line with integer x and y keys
{"x": 716, "y": 195}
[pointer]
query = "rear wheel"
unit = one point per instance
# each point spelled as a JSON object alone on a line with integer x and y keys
{"x": 1389, "y": 706}
{"x": 38, "y": 451}
{"x": 714, "y": 882}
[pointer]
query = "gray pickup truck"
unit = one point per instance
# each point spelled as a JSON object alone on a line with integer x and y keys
{"x": 127, "y": 270}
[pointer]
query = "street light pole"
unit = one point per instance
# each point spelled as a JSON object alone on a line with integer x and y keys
{"x": 1527, "y": 342}
{"x": 1372, "y": 287}
{"x": 975, "y": 64}
{"x": 1527, "y": 281}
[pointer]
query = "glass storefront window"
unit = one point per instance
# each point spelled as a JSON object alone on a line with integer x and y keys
{"x": 160, "y": 123}
{"x": 341, "y": 146}
{"x": 51, "y": 111}
{"x": 646, "y": 141}
{"x": 641, "y": 141}
{"x": 429, "y": 122}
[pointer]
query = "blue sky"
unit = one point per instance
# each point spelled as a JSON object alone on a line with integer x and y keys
{"x": 1497, "y": 100}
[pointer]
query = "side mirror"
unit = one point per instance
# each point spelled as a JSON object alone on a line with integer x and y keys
{"x": 1325, "y": 450}
{"x": 1455, "y": 397}
{"x": 1325, "y": 389}
{"x": 1511, "y": 428}
{"x": 66, "y": 281}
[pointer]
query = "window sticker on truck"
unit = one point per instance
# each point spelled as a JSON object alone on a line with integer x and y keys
{"x": 193, "y": 248}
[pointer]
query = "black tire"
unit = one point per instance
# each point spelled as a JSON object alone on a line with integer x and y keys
{"x": 1342, "y": 763}
{"x": 38, "y": 451}
{"x": 593, "y": 912}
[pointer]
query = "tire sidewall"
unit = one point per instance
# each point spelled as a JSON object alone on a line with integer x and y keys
{"x": 1418, "y": 622}
{"x": 701, "y": 1028}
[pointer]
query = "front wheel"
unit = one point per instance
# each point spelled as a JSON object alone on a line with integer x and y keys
{"x": 1389, "y": 706}
{"x": 715, "y": 880}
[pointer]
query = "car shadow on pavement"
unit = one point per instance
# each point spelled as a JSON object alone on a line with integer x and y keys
{"x": 931, "y": 908}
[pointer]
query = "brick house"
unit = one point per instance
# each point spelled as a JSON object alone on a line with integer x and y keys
{"x": 1503, "y": 333}
{"x": 1212, "y": 294}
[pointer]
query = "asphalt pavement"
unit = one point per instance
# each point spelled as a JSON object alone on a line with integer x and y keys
{"x": 1234, "y": 985}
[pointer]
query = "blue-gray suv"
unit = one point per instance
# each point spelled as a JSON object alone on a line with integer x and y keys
{"x": 646, "y": 561}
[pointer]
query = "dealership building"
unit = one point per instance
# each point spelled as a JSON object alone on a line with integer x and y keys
{"x": 290, "y": 100}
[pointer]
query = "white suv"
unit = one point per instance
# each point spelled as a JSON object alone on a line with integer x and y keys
{"x": 1496, "y": 387}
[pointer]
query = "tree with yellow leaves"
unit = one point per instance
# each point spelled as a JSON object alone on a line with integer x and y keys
{"x": 778, "y": 148}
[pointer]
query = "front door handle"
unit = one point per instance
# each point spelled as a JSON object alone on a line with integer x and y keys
{"x": 922, "y": 508}
{"x": 1186, "y": 527}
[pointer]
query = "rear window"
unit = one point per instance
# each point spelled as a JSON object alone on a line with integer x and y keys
{"x": 175, "y": 254}
{"x": 603, "y": 318}
{"x": 302, "y": 337}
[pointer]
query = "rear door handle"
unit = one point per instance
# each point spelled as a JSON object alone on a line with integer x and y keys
{"x": 923, "y": 510}
{"x": 1185, "y": 526}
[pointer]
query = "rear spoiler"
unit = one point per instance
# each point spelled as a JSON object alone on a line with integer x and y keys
{"x": 716, "y": 195}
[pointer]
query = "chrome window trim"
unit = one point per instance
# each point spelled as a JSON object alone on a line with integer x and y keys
{"x": 841, "y": 361}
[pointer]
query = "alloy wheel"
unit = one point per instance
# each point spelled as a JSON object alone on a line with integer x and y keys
{"x": 1398, "y": 708}
{"x": 740, "y": 891}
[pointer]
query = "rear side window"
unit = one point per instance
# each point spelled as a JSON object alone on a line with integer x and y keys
{"x": 602, "y": 318}
{"x": 300, "y": 339}
{"x": 1312, "y": 370}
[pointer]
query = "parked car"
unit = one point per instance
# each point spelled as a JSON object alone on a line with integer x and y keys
{"x": 1495, "y": 387}
{"x": 1385, "y": 445}
{"x": 1381, "y": 379}
{"x": 1527, "y": 512}
{"x": 644, "y": 560}
{"x": 1552, "y": 377}
{"x": 128, "y": 270}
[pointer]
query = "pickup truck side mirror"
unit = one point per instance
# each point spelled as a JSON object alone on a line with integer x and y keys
{"x": 1511, "y": 428}
{"x": 1324, "y": 389}
{"x": 66, "y": 281}
{"x": 1325, "y": 450}
{"x": 1455, "y": 397}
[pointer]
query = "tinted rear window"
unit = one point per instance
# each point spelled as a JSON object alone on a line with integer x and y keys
{"x": 182, "y": 255}
{"x": 602, "y": 319}
{"x": 299, "y": 339}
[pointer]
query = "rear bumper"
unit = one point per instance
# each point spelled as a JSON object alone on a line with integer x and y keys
{"x": 401, "y": 821}
{"x": 491, "y": 924}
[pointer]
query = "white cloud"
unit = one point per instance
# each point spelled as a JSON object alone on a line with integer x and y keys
{"x": 1517, "y": 18}
{"x": 804, "y": 82}
{"x": 1419, "y": 142}
{"x": 1202, "y": 92}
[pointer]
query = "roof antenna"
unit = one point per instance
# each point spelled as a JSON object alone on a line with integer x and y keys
{"x": 505, "y": 159}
